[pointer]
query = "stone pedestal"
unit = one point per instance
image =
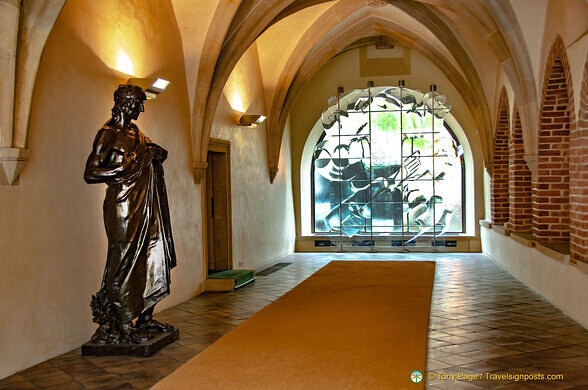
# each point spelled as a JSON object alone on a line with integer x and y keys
{"x": 146, "y": 349}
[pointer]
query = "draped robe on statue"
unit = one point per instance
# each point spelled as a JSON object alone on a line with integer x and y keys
{"x": 136, "y": 216}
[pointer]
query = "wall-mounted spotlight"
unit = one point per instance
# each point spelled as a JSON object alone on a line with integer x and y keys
{"x": 151, "y": 85}
{"x": 251, "y": 120}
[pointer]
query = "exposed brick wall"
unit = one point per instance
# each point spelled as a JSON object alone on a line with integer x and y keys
{"x": 551, "y": 191}
{"x": 500, "y": 181}
{"x": 579, "y": 178}
{"x": 521, "y": 210}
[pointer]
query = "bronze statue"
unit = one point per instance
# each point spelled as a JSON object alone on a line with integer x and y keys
{"x": 136, "y": 216}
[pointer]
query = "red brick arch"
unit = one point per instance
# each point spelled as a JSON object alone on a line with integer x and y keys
{"x": 499, "y": 196}
{"x": 551, "y": 191}
{"x": 520, "y": 206}
{"x": 579, "y": 178}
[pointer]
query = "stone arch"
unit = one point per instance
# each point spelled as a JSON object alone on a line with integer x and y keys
{"x": 253, "y": 18}
{"x": 578, "y": 182}
{"x": 551, "y": 190}
{"x": 249, "y": 21}
{"x": 36, "y": 22}
{"x": 500, "y": 32}
{"x": 499, "y": 194}
{"x": 511, "y": 48}
{"x": 348, "y": 30}
{"x": 29, "y": 26}
{"x": 520, "y": 207}
{"x": 219, "y": 28}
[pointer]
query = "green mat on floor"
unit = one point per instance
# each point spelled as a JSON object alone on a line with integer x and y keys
{"x": 241, "y": 277}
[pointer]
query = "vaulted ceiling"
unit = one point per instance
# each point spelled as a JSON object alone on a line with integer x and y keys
{"x": 469, "y": 40}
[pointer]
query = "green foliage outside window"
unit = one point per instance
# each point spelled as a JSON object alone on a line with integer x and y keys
{"x": 387, "y": 164}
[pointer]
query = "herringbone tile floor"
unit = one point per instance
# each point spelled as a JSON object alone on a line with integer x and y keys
{"x": 487, "y": 330}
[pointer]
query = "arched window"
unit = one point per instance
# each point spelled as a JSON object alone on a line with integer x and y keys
{"x": 387, "y": 164}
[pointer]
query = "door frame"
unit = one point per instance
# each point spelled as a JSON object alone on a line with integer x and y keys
{"x": 217, "y": 146}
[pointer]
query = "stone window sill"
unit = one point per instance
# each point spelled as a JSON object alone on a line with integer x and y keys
{"x": 558, "y": 251}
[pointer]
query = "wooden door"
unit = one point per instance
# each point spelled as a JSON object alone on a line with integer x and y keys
{"x": 218, "y": 191}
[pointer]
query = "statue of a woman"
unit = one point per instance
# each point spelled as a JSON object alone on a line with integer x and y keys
{"x": 136, "y": 216}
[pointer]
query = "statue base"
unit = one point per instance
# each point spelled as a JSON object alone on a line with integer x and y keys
{"x": 146, "y": 349}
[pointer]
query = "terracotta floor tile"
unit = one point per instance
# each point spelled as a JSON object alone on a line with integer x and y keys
{"x": 59, "y": 379}
{"x": 482, "y": 320}
{"x": 66, "y": 386}
{"x": 16, "y": 378}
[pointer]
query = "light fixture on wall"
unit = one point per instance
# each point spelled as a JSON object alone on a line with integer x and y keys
{"x": 251, "y": 120}
{"x": 152, "y": 86}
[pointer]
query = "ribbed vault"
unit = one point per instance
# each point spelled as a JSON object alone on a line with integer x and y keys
{"x": 469, "y": 40}
{"x": 315, "y": 49}
{"x": 436, "y": 35}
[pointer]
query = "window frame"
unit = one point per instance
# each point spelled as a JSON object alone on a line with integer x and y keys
{"x": 391, "y": 234}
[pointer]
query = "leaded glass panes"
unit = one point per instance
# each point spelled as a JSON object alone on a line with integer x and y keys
{"x": 387, "y": 164}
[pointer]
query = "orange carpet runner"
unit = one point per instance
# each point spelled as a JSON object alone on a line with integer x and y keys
{"x": 351, "y": 325}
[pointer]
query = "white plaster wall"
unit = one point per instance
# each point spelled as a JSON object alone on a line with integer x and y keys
{"x": 262, "y": 212}
{"x": 561, "y": 284}
{"x": 52, "y": 240}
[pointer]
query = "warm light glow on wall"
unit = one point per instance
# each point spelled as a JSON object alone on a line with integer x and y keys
{"x": 243, "y": 90}
{"x": 124, "y": 64}
{"x": 237, "y": 103}
{"x": 119, "y": 33}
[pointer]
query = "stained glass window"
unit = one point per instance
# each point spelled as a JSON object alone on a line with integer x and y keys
{"x": 388, "y": 164}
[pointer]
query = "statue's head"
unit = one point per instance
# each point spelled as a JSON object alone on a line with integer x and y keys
{"x": 128, "y": 100}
